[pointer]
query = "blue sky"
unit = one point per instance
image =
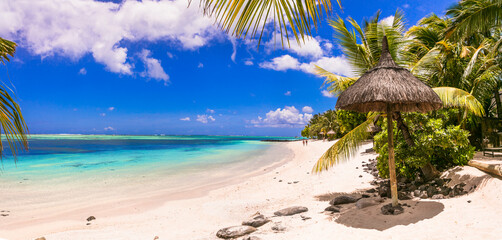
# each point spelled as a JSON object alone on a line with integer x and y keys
{"x": 157, "y": 67}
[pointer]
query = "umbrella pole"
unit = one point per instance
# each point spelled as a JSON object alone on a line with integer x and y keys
{"x": 392, "y": 164}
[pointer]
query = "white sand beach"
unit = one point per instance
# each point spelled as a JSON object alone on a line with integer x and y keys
{"x": 200, "y": 216}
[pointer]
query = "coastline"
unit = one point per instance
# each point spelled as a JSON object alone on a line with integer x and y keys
{"x": 471, "y": 216}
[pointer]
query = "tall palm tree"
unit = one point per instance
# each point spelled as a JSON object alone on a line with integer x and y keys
{"x": 12, "y": 123}
{"x": 474, "y": 16}
{"x": 243, "y": 17}
{"x": 363, "y": 52}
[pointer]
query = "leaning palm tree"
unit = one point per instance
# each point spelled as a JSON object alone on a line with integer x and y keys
{"x": 363, "y": 53}
{"x": 12, "y": 123}
{"x": 241, "y": 18}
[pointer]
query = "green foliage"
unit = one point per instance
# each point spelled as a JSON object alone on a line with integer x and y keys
{"x": 341, "y": 122}
{"x": 437, "y": 139}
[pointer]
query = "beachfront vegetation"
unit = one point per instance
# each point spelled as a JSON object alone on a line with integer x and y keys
{"x": 463, "y": 67}
{"x": 339, "y": 121}
{"x": 438, "y": 139}
{"x": 12, "y": 123}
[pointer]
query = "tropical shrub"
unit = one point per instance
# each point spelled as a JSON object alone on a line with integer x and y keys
{"x": 437, "y": 139}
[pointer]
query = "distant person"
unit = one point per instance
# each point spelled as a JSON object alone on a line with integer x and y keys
{"x": 306, "y": 142}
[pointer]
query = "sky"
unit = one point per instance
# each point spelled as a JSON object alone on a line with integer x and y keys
{"x": 161, "y": 67}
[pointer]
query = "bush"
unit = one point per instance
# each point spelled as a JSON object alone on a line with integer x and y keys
{"x": 437, "y": 141}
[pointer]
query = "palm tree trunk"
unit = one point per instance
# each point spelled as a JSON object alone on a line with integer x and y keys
{"x": 392, "y": 163}
{"x": 496, "y": 95}
{"x": 429, "y": 171}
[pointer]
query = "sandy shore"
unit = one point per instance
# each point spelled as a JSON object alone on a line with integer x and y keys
{"x": 200, "y": 217}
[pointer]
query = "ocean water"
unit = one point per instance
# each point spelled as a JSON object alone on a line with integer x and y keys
{"x": 60, "y": 159}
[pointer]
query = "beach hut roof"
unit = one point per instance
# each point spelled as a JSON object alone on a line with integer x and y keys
{"x": 331, "y": 132}
{"x": 385, "y": 84}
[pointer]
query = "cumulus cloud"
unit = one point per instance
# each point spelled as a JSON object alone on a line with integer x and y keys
{"x": 82, "y": 71}
{"x": 388, "y": 21}
{"x": 338, "y": 65}
{"x": 185, "y": 119}
{"x": 109, "y": 128}
{"x": 210, "y": 111}
{"x": 153, "y": 69}
{"x": 200, "y": 65}
{"x": 307, "y": 109}
{"x": 327, "y": 94}
{"x": 287, "y": 93}
{"x": 205, "y": 118}
{"x": 311, "y": 47}
{"x": 111, "y": 108}
{"x": 76, "y": 28}
{"x": 283, "y": 118}
{"x": 249, "y": 63}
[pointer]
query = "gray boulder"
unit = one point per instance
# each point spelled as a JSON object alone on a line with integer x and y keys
{"x": 251, "y": 238}
{"x": 366, "y": 202}
{"x": 291, "y": 211}
{"x": 332, "y": 209}
{"x": 235, "y": 231}
{"x": 257, "y": 221}
{"x": 342, "y": 200}
{"x": 278, "y": 227}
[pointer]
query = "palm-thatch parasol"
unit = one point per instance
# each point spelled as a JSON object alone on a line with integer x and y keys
{"x": 331, "y": 132}
{"x": 389, "y": 88}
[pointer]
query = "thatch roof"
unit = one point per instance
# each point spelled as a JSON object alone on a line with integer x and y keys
{"x": 387, "y": 83}
{"x": 331, "y": 132}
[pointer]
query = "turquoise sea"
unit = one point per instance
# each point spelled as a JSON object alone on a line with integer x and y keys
{"x": 61, "y": 158}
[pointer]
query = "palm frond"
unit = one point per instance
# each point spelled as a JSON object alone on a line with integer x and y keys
{"x": 347, "y": 146}
{"x": 336, "y": 83}
{"x": 243, "y": 17}
{"x": 473, "y": 16}
{"x": 7, "y": 48}
{"x": 458, "y": 98}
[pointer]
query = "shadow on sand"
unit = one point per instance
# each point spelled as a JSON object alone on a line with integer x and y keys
{"x": 372, "y": 218}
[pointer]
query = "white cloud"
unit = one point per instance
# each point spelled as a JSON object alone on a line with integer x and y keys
{"x": 282, "y": 63}
{"x": 406, "y": 5}
{"x": 109, "y": 128}
{"x": 327, "y": 94}
{"x": 102, "y": 114}
{"x": 76, "y": 28}
{"x": 82, "y": 71}
{"x": 287, "y": 93}
{"x": 311, "y": 47}
{"x": 328, "y": 46}
{"x": 338, "y": 65}
{"x": 111, "y": 108}
{"x": 307, "y": 109}
{"x": 153, "y": 69}
{"x": 234, "y": 47}
{"x": 249, "y": 63}
{"x": 388, "y": 21}
{"x": 283, "y": 118}
{"x": 200, "y": 65}
{"x": 210, "y": 111}
{"x": 185, "y": 119}
{"x": 169, "y": 55}
{"x": 205, "y": 118}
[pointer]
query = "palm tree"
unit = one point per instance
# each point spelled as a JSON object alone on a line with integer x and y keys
{"x": 242, "y": 17}
{"x": 363, "y": 52}
{"x": 11, "y": 120}
{"x": 474, "y": 16}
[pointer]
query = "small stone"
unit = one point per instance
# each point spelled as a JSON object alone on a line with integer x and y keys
{"x": 296, "y": 182}
{"x": 88, "y": 224}
{"x": 4, "y": 214}
{"x": 342, "y": 200}
{"x": 251, "y": 238}
{"x": 280, "y": 180}
{"x": 332, "y": 209}
{"x": 468, "y": 201}
{"x": 257, "y": 221}
{"x": 156, "y": 238}
{"x": 305, "y": 217}
{"x": 357, "y": 167}
{"x": 91, "y": 218}
{"x": 289, "y": 182}
{"x": 41, "y": 238}
{"x": 371, "y": 190}
{"x": 438, "y": 196}
{"x": 235, "y": 231}
{"x": 365, "y": 202}
{"x": 291, "y": 211}
{"x": 365, "y": 195}
{"x": 278, "y": 227}
{"x": 360, "y": 176}
{"x": 390, "y": 210}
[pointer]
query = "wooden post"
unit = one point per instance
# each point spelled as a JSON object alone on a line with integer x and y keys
{"x": 392, "y": 164}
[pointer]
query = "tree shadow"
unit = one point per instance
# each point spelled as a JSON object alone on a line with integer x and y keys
{"x": 372, "y": 218}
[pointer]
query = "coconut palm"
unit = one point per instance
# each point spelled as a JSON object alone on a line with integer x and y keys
{"x": 474, "y": 16}
{"x": 11, "y": 120}
{"x": 242, "y": 17}
{"x": 363, "y": 52}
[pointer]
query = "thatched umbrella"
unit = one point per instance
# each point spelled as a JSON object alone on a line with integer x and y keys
{"x": 389, "y": 88}
{"x": 331, "y": 132}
